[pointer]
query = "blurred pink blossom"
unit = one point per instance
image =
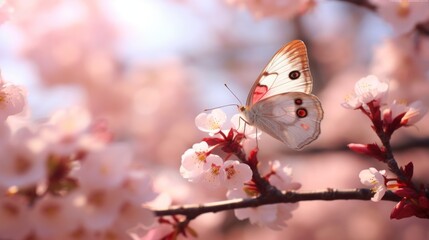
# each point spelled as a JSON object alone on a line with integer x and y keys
{"x": 6, "y": 10}
{"x": 275, "y": 8}
{"x": 12, "y": 99}
{"x": 403, "y": 15}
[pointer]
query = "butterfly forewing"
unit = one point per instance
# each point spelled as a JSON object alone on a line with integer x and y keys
{"x": 293, "y": 118}
{"x": 288, "y": 71}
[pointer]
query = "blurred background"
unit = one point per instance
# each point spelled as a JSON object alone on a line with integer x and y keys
{"x": 148, "y": 67}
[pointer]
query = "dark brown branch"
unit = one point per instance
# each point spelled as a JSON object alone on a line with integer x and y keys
{"x": 193, "y": 210}
{"x": 422, "y": 28}
{"x": 361, "y": 3}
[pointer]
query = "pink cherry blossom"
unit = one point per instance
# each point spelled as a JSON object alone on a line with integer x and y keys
{"x": 213, "y": 176}
{"x": 6, "y": 10}
{"x": 68, "y": 131}
{"x": 137, "y": 187}
{"x": 105, "y": 168}
{"x": 413, "y": 112}
{"x": 132, "y": 215}
{"x": 273, "y": 216}
{"x": 12, "y": 99}
{"x": 194, "y": 160}
{"x": 241, "y": 126}
{"x": 211, "y": 122}
{"x": 403, "y": 15}
{"x": 367, "y": 89}
{"x": 53, "y": 216}
{"x": 376, "y": 180}
{"x": 281, "y": 177}
{"x": 14, "y": 217}
{"x": 99, "y": 207}
{"x": 23, "y": 161}
{"x": 416, "y": 111}
{"x": 236, "y": 174}
{"x": 276, "y": 8}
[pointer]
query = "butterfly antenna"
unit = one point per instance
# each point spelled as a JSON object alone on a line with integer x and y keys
{"x": 233, "y": 94}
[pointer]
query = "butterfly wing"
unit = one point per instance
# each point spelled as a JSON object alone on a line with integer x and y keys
{"x": 288, "y": 71}
{"x": 293, "y": 118}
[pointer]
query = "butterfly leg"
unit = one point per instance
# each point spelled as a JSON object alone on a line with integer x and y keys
{"x": 244, "y": 128}
{"x": 239, "y": 124}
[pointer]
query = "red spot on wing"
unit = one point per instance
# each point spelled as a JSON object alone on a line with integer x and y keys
{"x": 305, "y": 126}
{"x": 260, "y": 91}
{"x": 301, "y": 112}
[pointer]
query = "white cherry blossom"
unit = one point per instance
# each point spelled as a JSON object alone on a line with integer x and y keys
{"x": 367, "y": 89}
{"x": 403, "y": 15}
{"x": 236, "y": 174}
{"x": 211, "y": 122}
{"x": 376, "y": 180}
{"x": 194, "y": 160}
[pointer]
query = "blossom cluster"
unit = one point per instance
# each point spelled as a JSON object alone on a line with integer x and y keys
{"x": 369, "y": 97}
{"x": 402, "y": 15}
{"x": 277, "y": 8}
{"x": 203, "y": 164}
{"x": 66, "y": 178}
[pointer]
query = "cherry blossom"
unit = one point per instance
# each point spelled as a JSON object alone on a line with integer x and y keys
{"x": 194, "y": 160}
{"x": 273, "y": 216}
{"x": 412, "y": 113}
{"x": 131, "y": 215}
{"x": 213, "y": 175}
{"x": 12, "y": 99}
{"x": 403, "y": 15}
{"x": 106, "y": 167}
{"x": 376, "y": 180}
{"x": 281, "y": 176}
{"x": 367, "y": 89}
{"x": 211, "y": 122}
{"x": 277, "y": 8}
{"x": 68, "y": 131}
{"x": 6, "y": 10}
{"x": 23, "y": 162}
{"x": 137, "y": 187}
{"x": 416, "y": 111}
{"x": 99, "y": 207}
{"x": 242, "y": 127}
{"x": 14, "y": 217}
{"x": 236, "y": 174}
{"x": 53, "y": 216}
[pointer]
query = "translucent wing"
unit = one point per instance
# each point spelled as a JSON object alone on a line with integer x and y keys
{"x": 293, "y": 118}
{"x": 288, "y": 71}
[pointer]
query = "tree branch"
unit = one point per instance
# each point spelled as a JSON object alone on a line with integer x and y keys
{"x": 361, "y": 3}
{"x": 194, "y": 210}
{"x": 422, "y": 28}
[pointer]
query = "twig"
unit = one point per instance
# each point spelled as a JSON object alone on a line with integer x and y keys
{"x": 362, "y": 3}
{"x": 193, "y": 210}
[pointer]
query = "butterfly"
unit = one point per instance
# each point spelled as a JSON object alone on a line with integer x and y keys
{"x": 280, "y": 102}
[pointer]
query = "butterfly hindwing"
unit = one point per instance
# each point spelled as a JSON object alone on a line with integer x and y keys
{"x": 293, "y": 118}
{"x": 288, "y": 71}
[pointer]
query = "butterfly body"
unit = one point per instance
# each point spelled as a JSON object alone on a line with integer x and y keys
{"x": 280, "y": 102}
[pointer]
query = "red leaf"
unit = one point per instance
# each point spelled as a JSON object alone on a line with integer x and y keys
{"x": 408, "y": 170}
{"x": 253, "y": 159}
{"x": 407, "y": 192}
{"x": 395, "y": 124}
{"x": 213, "y": 141}
{"x": 403, "y": 210}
